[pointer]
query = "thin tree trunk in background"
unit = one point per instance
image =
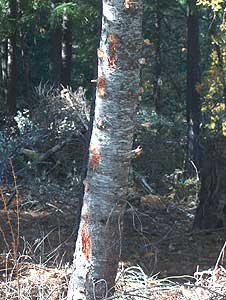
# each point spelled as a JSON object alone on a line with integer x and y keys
{"x": 158, "y": 80}
{"x": 4, "y": 64}
{"x": 55, "y": 54}
{"x": 26, "y": 68}
{"x": 98, "y": 245}
{"x": 66, "y": 50}
{"x": 12, "y": 64}
{"x": 193, "y": 86}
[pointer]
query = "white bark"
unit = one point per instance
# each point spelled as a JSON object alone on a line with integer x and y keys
{"x": 98, "y": 245}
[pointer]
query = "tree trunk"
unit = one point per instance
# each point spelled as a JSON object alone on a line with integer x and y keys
{"x": 56, "y": 51}
{"x": 90, "y": 128}
{"x": 26, "y": 69}
{"x": 12, "y": 67}
{"x": 55, "y": 55}
{"x": 98, "y": 244}
{"x": 4, "y": 63}
{"x": 66, "y": 50}
{"x": 158, "y": 80}
{"x": 193, "y": 85}
{"x": 211, "y": 211}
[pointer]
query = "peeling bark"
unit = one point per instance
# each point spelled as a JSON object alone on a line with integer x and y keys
{"x": 98, "y": 245}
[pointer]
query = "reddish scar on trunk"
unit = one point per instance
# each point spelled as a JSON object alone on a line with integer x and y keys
{"x": 86, "y": 241}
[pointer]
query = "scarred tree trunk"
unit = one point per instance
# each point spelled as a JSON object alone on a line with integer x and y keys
{"x": 66, "y": 49}
{"x": 98, "y": 244}
{"x": 211, "y": 211}
{"x": 193, "y": 85}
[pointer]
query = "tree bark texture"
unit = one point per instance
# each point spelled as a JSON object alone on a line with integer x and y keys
{"x": 193, "y": 84}
{"x": 98, "y": 244}
{"x": 90, "y": 128}
{"x": 66, "y": 50}
{"x": 211, "y": 211}
{"x": 12, "y": 57}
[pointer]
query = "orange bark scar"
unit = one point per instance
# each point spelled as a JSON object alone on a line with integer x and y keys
{"x": 100, "y": 54}
{"x": 114, "y": 41}
{"x": 94, "y": 157}
{"x": 86, "y": 241}
{"x": 86, "y": 186}
{"x": 129, "y": 3}
{"x": 101, "y": 86}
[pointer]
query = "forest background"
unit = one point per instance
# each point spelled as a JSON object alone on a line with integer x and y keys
{"x": 48, "y": 79}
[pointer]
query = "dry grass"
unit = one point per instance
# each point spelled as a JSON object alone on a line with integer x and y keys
{"x": 42, "y": 283}
{"x": 35, "y": 282}
{"x": 22, "y": 278}
{"x": 134, "y": 284}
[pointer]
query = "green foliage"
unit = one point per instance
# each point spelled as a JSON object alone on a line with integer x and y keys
{"x": 34, "y": 24}
{"x": 215, "y": 5}
{"x": 69, "y": 8}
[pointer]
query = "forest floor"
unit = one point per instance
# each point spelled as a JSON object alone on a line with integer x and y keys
{"x": 158, "y": 241}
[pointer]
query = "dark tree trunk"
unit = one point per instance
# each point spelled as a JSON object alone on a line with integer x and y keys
{"x": 12, "y": 64}
{"x": 193, "y": 86}
{"x": 56, "y": 51}
{"x": 66, "y": 49}
{"x": 158, "y": 80}
{"x": 211, "y": 211}
{"x": 55, "y": 55}
{"x": 4, "y": 64}
{"x": 26, "y": 68}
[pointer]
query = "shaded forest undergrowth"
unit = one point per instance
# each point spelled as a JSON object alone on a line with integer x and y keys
{"x": 47, "y": 159}
{"x": 157, "y": 239}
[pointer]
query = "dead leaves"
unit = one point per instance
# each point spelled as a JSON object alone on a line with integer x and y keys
{"x": 198, "y": 87}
